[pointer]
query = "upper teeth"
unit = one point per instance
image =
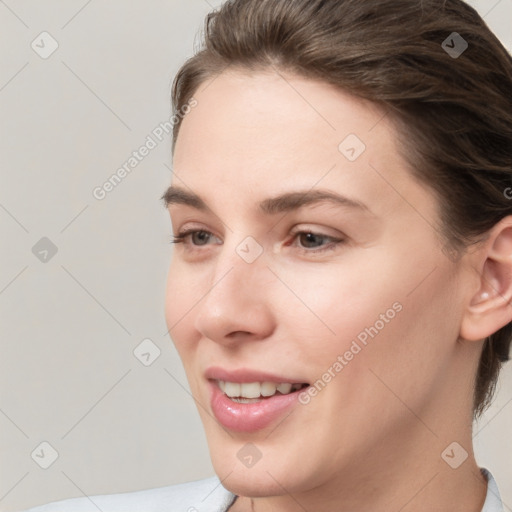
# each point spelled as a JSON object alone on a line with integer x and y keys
{"x": 256, "y": 389}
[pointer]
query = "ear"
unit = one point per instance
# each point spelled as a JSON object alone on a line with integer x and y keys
{"x": 490, "y": 307}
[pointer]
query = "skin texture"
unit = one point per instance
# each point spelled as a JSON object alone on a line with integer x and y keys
{"x": 372, "y": 439}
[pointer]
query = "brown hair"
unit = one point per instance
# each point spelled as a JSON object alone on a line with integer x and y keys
{"x": 453, "y": 112}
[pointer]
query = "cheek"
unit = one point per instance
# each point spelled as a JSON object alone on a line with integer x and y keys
{"x": 398, "y": 348}
{"x": 333, "y": 305}
{"x": 394, "y": 319}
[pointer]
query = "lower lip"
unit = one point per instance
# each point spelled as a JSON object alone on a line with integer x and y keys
{"x": 252, "y": 416}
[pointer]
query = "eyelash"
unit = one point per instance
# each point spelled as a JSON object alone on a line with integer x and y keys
{"x": 183, "y": 235}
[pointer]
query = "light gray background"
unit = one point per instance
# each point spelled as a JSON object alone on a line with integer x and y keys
{"x": 69, "y": 326}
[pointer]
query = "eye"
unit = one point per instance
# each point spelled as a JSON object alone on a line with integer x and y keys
{"x": 311, "y": 242}
{"x": 194, "y": 237}
{"x": 307, "y": 242}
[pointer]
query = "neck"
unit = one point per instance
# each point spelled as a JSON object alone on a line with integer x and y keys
{"x": 420, "y": 479}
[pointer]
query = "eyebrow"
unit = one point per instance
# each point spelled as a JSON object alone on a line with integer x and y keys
{"x": 279, "y": 204}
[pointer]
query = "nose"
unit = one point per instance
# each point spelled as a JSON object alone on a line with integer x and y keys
{"x": 236, "y": 305}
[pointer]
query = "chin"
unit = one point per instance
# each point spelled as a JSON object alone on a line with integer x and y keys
{"x": 254, "y": 483}
{"x": 269, "y": 476}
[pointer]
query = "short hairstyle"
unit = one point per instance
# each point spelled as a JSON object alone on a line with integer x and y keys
{"x": 451, "y": 104}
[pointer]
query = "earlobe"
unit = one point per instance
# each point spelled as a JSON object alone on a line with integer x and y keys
{"x": 494, "y": 283}
{"x": 490, "y": 308}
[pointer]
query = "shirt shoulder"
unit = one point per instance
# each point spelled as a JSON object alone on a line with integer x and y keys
{"x": 206, "y": 495}
{"x": 493, "y": 501}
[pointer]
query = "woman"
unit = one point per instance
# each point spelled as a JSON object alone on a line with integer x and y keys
{"x": 340, "y": 289}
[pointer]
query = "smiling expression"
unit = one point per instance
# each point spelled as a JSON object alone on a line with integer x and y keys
{"x": 290, "y": 250}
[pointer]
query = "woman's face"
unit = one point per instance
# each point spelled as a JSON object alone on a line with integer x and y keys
{"x": 315, "y": 261}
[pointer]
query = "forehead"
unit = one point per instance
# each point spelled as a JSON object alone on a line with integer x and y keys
{"x": 270, "y": 108}
{"x": 252, "y": 134}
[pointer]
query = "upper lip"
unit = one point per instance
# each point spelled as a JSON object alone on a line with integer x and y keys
{"x": 247, "y": 375}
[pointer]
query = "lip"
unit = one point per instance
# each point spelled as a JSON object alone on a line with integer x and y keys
{"x": 248, "y": 417}
{"x": 242, "y": 375}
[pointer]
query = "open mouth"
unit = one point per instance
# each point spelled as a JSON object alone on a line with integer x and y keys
{"x": 250, "y": 392}
{"x": 248, "y": 400}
